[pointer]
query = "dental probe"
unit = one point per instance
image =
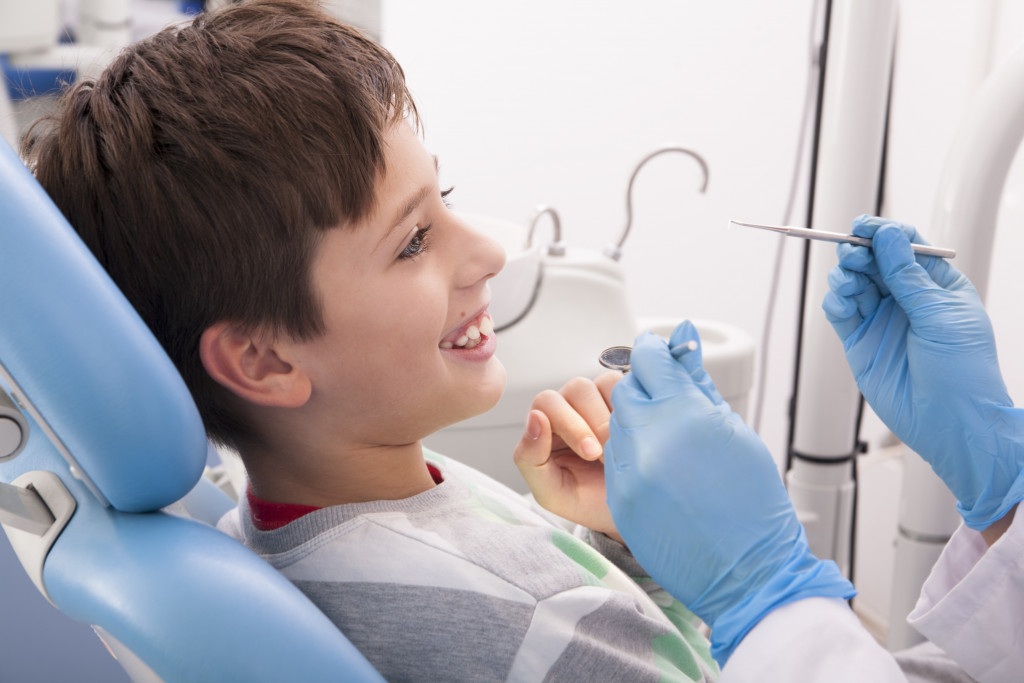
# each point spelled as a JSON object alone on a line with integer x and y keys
{"x": 617, "y": 357}
{"x": 807, "y": 233}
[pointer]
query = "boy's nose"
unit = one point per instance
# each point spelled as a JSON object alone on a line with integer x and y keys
{"x": 481, "y": 257}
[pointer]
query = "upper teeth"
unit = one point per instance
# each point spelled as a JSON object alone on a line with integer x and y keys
{"x": 473, "y": 335}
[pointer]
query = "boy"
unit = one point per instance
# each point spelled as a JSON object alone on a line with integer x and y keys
{"x": 256, "y": 186}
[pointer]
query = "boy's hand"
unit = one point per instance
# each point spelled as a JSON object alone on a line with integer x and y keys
{"x": 561, "y": 455}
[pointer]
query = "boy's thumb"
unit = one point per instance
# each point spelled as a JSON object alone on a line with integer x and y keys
{"x": 534, "y": 447}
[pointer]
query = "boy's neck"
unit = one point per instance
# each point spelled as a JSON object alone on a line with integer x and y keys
{"x": 354, "y": 476}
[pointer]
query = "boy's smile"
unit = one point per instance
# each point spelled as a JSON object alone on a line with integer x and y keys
{"x": 409, "y": 345}
{"x": 475, "y": 333}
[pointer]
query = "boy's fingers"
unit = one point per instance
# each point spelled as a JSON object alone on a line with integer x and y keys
{"x": 605, "y": 383}
{"x": 577, "y": 416}
{"x": 534, "y": 447}
{"x": 581, "y": 417}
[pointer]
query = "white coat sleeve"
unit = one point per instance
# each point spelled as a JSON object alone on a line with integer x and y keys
{"x": 972, "y": 605}
{"x": 815, "y": 639}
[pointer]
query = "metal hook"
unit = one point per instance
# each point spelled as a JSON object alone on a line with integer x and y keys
{"x": 556, "y": 248}
{"x": 614, "y": 251}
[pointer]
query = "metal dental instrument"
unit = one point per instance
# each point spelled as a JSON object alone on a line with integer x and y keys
{"x": 807, "y": 233}
{"x": 617, "y": 357}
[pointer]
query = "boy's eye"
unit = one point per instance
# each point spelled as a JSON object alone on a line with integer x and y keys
{"x": 417, "y": 245}
{"x": 444, "y": 196}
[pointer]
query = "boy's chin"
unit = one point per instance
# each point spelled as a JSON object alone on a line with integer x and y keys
{"x": 489, "y": 391}
{"x": 494, "y": 386}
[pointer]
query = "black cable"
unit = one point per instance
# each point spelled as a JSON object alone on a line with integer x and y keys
{"x": 815, "y": 148}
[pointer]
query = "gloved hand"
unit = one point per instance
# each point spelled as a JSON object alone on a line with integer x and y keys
{"x": 922, "y": 351}
{"x": 699, "y": 501}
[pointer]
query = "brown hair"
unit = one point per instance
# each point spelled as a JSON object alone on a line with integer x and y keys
{"x": 203, "y": 165}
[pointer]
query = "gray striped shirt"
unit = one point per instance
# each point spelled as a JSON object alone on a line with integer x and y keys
{"x": 470, "y": 581}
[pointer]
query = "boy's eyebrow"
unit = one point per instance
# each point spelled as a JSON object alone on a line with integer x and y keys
{"x": 410, "y": 205}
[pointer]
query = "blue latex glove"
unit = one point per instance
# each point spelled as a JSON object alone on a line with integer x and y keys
{"x": 922, "y": 350}
{"x": 698, "y": 499}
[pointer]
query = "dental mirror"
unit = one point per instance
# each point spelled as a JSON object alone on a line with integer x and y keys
{"x": 617, "y": 357}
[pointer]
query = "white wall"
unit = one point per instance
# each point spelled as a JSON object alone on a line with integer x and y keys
{"x": 540, "y": 102}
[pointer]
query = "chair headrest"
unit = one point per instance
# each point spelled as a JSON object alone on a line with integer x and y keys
{"x": 76, "y": 356}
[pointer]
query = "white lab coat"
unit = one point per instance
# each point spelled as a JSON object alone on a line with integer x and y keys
{"x": 971, "y": 606}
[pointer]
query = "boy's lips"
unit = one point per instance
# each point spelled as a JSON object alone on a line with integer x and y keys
{"x": 470, "y": 333}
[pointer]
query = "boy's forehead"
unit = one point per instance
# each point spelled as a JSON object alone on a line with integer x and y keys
{"x": 409, "y": 195}
{"x": 408, "y": 166}
{"x": 409, "y": 177}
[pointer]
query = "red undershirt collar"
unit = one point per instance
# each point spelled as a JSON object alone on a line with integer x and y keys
{"x": 267, "y": 516}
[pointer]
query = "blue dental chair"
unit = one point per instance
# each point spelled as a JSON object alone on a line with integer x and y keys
{"x": 99, "y": 438}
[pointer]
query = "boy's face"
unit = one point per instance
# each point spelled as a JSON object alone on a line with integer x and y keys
{"x": 397, "y": 290}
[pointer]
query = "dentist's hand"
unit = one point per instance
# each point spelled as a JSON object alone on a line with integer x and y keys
{"x": 923, "y": 353}
{"x": 560, "y": 454}
{"x": 699, "y": 500}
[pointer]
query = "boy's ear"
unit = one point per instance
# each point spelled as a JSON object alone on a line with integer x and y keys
{"x": 251, "y": 365}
